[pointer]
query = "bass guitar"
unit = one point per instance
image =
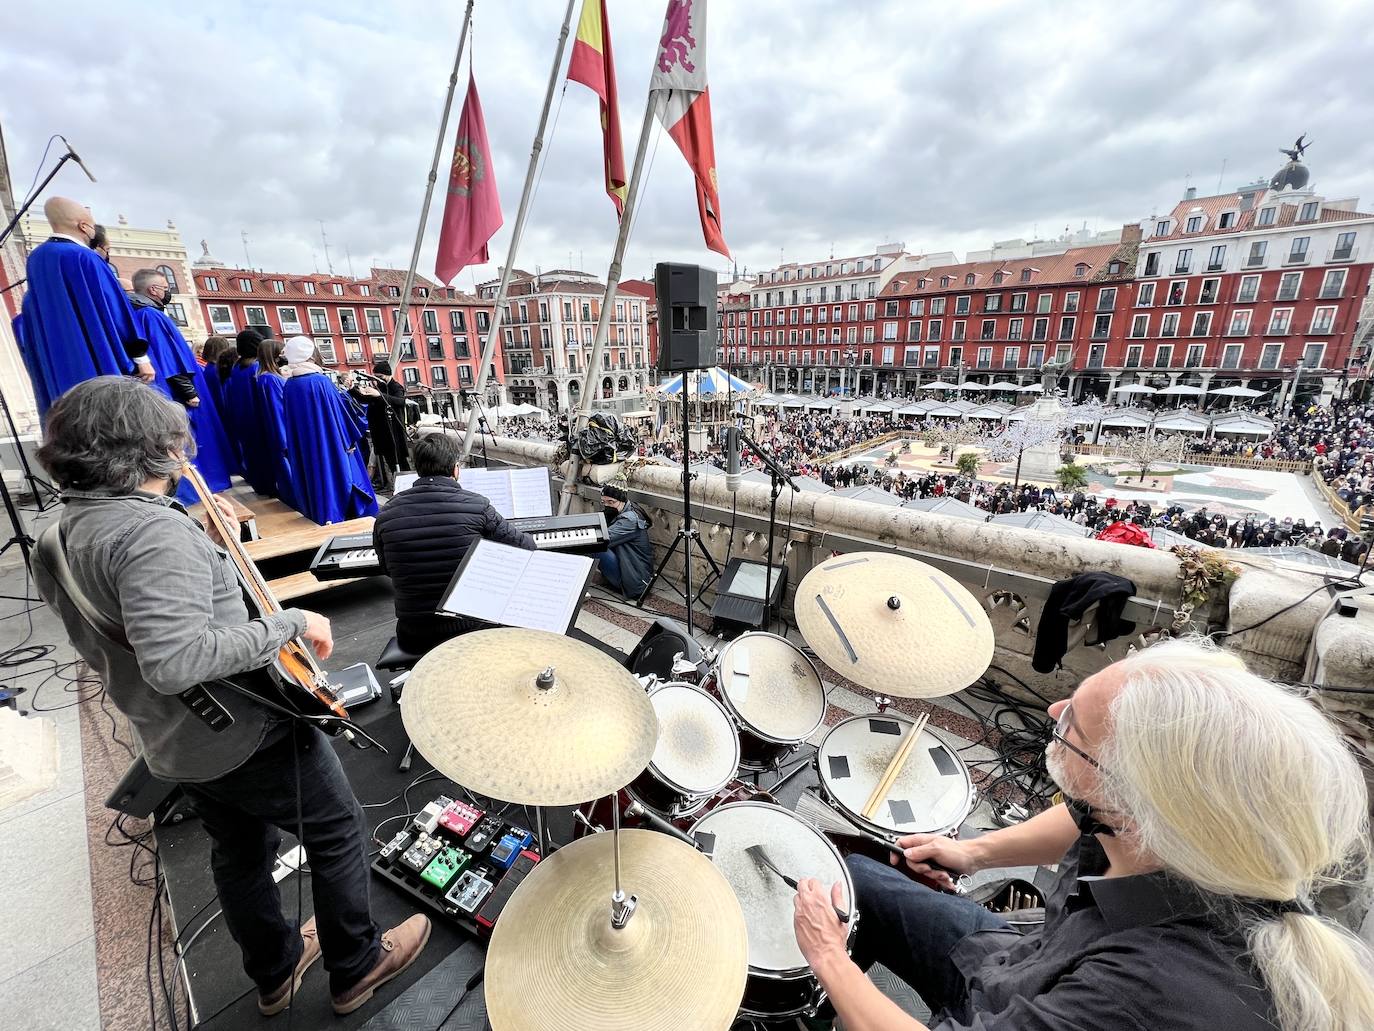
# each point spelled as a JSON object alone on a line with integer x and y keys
{"x": 294, "y": 681}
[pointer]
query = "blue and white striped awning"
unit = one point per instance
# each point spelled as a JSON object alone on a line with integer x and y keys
{"x": 708, "y": 381}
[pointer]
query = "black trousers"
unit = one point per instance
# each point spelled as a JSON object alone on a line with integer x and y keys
{"x": 244, "y": 812}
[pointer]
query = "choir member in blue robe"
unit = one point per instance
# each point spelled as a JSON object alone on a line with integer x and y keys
{"x": 210, "y": 353}
{"x": 246, "y": 425}
{"x": 330, "y": 475}
{"x": 181, "y": 378}
{"x": 271, "y": 388}
{"x": 76, "y": 322}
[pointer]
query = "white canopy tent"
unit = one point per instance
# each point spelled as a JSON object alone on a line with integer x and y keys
{"x": 1128, "y": 418}
{"x": 1046, "y": 522}
{"x": 1181, "y": 390}
{"x": 1184, "y": 422}
{"x": 918, "y": 408}
{"x": 1031, "y": 388}
{"x": 1242, "y": 424}
{"x": 947, "y": 506}
{"x": 873, "y": 495}
{"x": 1135, "y": 388}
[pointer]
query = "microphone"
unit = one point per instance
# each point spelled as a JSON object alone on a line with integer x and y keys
{"x": 77, "y": 158}
{"x": 732, "y": 459}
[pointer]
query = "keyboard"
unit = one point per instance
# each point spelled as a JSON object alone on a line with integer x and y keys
{"x": 579, "y": 532}
{"x": 347, "y": 555}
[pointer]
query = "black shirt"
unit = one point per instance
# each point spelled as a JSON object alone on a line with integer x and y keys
{"x": 1143, "y": 953}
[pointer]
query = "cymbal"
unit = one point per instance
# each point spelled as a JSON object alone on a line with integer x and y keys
{"x": 476, "y": 708}
{"x": 556, "y": 962}
{"x": 894, "y": 625}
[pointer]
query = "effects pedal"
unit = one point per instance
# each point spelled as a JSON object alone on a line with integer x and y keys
{"x": 500, "y": 895}
{"x": 503, "y": 853}
{"x": 447, "y": 865}
{"x": 418, "y": 856}
{"x": 481, "y": 837}
{"x": 469, "y": 891}
{"x": 459, "y": 818}
{"x": 396, "y": 845}
{"x": 428, "y": 818}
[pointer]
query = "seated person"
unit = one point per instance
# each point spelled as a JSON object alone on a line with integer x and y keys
{"x": 1203, "y": 807}
{"x": 423, "y": 533}
{"x": 628, "y": 561}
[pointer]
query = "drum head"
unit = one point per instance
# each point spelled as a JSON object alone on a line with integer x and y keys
{"x": 932, "y": 794}
{"x": 798, "y": 849}
{"x": 771, "y": 687}
{"x": 697, "y": 750}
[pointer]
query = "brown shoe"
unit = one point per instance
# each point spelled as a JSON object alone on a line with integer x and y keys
{"x": 310, "y": 951}
{"x": 400, "y": 946}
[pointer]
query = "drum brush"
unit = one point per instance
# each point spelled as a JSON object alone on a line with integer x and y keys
{"x": 758, "y": 855}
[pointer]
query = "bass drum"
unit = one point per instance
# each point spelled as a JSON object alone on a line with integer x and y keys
{"x": 774, "y": 693}
{"x": 780, "y": 983}
{"x": 932, "y": 794}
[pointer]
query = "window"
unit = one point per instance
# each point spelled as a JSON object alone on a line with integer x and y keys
{"x": 889, "y": 331}
{"x": 1066, "y": 327}
{"x": 1249, "y": 289}
{"x": 405, "y": 351}
{"x": 1194, "y": 224}
{"x": 1040, "y": 329}
{"x": 1014, "y": 329}
{"x": 438, "y": 375}
{"x": 458, "y": 321}
{"x": 970, "y": 279}
{"x": 1270, "y": 355}
{"x": 1081, "y": 269}
{"x": 1162, "y": 227}
{"x": 916, "y": 307}
{"x": 176, "y": 313}
{"x": 1202, "y": 323}
{"x": 937, "y": 306}
{"x": 1308, "y": 211}
{"x": 989, "y": 328}
{"x": 319, "y": 320}
{"x": 365, "y": 290}
{"x": 1183, "y": 260}
{"x": 1140, "y": 326}
{"x": 932, "y": 357}
{"x": 1240, "y": 324}
{"x": 1232, "y": 355}
{"x": 465, "y": 374}
{"x": 211, "y": 283}
{"x": 326, "y": 347}
{"x": 170, "y": 276}
{"x": 1322, "y": 320}
{"x": 221, "y": 319}
{"x": 1216, "y": 258}
{"x": 1266, "y": 216}
{"x": 1227, "y": 220}
{"x": 309, "y": 288}
{"x": 1333, "y": 284}
{"x": 289, "y": 322}
{"x": 1043, "y": 303}
{"x": 1071, "y": 301}
{"x": 353, "y": 349}
{"x": 1146, "y": 296}
{"x": 1258, "y": 249}
{"x": 336, "y": 289}
{"x": 1176, "y": 292}
{"x": 853, "y": 313}
{"x": 959, "y": 329}
{"x": 1134, "y": 355}
{"x": 887, "y": 355}
{"x": 1297, "y": 251}
{"x": 246, "y": 285}
{"x": 1011, "y": 357}
{"x": 934, "y": 329}
{"x": 1026, "y": 275}
{"x": 410, "y": 377}
{"x": 961, "y": 304}
{"x": 1164, "y": 356}
{"x": 434, "y": 346}
{"x": 379, "y": 346}
{"x": 483, "y": 321}
{"x": 1280, "y": 321}
{"x": 1152, "y": 264}
{"x": 374, "y": 320}
{"x": 1113, "y": 268}
{"x": 1036, "y": 358}
{"x": 1288, "y": 286}
{"x": 1106, "y": 298}
{"x": 1102, "y": 327}
{"x": 278, "y": 286}
{"x": 430, "y": 318}
{"x": 984, "y": 358}
{"x": 890, "y": 309}
{"x": 1196, "y": 352}
{"x": 1018, "y": 302}
{"x": 1343, "y": 251}
{"x": 1312, "y": 356}
{"x": 998, "y": 277}
{"x": 944, "y": 281}
{"x": 1211, "y": 289}
{"x": 870, "y": 311}
{"x": 348, "y": 320}
{"x": 256, "y": 316}
{"x": 1168, "y": 326}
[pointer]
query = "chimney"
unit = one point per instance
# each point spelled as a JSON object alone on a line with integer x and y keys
{"x": 1190, "y": 193}
{"x": 1131, "y": 232}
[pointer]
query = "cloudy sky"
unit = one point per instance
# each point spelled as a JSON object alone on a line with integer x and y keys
{"x": 837, "y": 124}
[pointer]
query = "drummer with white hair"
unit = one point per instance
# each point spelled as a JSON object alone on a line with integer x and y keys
{"x": 1205, "y": 807}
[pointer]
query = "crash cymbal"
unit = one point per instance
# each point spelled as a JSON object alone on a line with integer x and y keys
{"x": 894, "y": 625}
{"x": 479, "y": 709}
{"x": 556, "y": 962}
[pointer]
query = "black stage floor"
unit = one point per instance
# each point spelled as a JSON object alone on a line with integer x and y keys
{"x": 222, "y": 995}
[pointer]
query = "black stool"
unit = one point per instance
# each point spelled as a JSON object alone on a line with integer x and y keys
{"x": 393, "y": 659}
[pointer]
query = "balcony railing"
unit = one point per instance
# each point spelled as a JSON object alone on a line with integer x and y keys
{"x": 1343, "y": 253}
{"x": 1296, "y": 259}
{"x": 1255, "y": 261}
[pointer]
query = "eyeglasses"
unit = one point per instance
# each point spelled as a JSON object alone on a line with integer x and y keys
{"x": 1060, "y": 732}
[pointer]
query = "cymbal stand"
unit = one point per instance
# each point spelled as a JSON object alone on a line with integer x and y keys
{"x": 622, "y": 906}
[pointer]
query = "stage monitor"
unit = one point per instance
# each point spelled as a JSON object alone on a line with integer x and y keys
{"x": 739, "y": 603}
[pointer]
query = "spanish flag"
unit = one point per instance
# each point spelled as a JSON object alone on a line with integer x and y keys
{"x": 593, "y": 65}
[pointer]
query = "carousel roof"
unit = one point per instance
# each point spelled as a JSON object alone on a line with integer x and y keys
{"x": 708, "y": 381}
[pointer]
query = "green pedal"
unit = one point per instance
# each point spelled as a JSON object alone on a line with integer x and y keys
{"x": 447, "y": 865}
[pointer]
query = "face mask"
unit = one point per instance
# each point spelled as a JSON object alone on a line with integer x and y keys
{"x": 610, "y": 513}
{"x": 1084, "y": 817}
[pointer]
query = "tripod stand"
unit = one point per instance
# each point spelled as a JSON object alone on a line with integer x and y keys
{"x": 687, "y": 534}
{"x": 38, "y": 486}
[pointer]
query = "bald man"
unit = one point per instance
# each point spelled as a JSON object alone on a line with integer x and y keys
{"x": 76, "y": 322}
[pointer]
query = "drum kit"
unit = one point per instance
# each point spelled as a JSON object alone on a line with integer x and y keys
{"x": 677, "y": 918}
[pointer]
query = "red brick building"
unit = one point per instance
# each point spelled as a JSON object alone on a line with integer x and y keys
{"x": 351, "y": 321}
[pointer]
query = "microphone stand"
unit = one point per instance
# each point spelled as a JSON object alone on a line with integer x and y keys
{"x": 37, "y": 485}
{"x": 777, "y": 476}
{"x": 33, "y": 196}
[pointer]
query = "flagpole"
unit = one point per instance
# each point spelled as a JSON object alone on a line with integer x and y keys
{"x": 593, "y": 374}
{"x": 404, "y": 311}
{"x": 499, "y": 305}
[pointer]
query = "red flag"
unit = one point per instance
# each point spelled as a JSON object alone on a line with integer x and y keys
{"x": 593, "y": 65}
{"x": 685, "y": 110}
{"x": 472, "y": 212}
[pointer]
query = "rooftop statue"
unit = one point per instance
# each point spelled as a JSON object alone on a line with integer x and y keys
{"x": 1295, "y": 173}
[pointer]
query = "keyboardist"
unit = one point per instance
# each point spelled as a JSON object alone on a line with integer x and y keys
{"x": 422, "y": 535}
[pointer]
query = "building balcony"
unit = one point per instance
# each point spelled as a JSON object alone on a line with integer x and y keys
{"x": 1297, "y": 259}
{"x": 1343, "y": 254}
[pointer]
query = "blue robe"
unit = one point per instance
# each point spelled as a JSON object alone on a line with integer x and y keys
{"x": 322, "y": 441}
{"x": 77, "y": 322}
{"x": 247, "y": 429}
{"x": 171, "y": 355}
{"x": 271, "y": 387}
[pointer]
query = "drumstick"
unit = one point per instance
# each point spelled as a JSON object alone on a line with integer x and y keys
{"x": 894, "y": 767}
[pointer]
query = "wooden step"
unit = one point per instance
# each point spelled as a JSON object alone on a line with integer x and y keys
{"x": 302, "y": 585}
{"x": 303, "y": 536}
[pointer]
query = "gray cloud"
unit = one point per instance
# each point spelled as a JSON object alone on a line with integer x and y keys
{"x": 836, "y": 125}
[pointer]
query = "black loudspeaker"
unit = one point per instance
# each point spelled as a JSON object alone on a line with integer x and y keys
{"x": 664, "y": 642}
{"x": 686, "y": 316}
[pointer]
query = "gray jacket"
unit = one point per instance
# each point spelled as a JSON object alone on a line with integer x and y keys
{"x": 146, "y": 564}
{"x": 628, "y": 538}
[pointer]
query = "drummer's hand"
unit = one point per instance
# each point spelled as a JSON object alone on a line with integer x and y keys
{"x": 819, "y": 931}
{"x": 923, "y": 849}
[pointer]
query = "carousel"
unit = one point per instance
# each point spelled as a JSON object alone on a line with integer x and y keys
{"x": 714, "y": 398}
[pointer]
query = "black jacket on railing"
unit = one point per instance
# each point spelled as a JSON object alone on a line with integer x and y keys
{"x": 421, "y": 535}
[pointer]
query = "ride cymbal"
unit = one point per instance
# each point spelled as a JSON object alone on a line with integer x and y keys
{"x": 529, "y": 717}
{"x": 894, "y": 625}
{"x": 555, "y": 961}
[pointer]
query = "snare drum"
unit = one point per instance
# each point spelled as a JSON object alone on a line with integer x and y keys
{"x": 932, "y": 794}
{"x": 780, "y": 982}
{"x": 774, "y": 693}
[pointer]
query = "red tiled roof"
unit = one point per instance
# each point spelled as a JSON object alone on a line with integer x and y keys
{"x": 1211, "y": 208}
{"x": 294, "y": 284}
{"x": 639, "y": 287}
{"x": 1046, "y": 269}
{"x": 838, "y": 263}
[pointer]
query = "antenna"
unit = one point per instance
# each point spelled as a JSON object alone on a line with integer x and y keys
{"x": 315, "y": 257}
{"x": 325, "y": 240}
{"x": 1222, "y": 174}
{"x": 243, "y": 233}
{"x": 349, "y": 258}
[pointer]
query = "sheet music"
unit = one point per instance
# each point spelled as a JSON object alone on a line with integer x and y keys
{"x": 515, "y": 493}
{"x": 404, "y": 481}
{"x": 538, "y": 590}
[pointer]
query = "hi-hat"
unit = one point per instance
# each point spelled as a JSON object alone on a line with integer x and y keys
{"x": 529, "y": 717}
{"x": 556, "y": 962}
{"x": 894, "y": 625}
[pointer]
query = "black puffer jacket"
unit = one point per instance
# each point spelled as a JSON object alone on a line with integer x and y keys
{"x": 421, "y": 536}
